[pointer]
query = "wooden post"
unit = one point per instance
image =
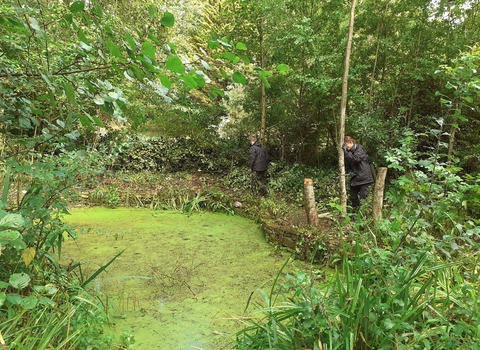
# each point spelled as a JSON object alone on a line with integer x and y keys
{"x": 378, "y": 193}
{"x": 310, "y": 206}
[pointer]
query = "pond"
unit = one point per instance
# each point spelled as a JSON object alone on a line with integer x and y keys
{"x": 182, "y": 281}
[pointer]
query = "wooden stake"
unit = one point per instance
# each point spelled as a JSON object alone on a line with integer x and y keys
{"x": 378, "y": 193}
{"x": 4, "y": 346}
{"x": 310, "y": 206}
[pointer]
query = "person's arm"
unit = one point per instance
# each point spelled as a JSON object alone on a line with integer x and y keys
{"x": 357, "y": 156}
{"x": 253, "y": 157}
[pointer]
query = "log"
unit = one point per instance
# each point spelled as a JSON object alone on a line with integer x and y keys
{"x": 378, "y": 193}
{"x": 310, "y": 206}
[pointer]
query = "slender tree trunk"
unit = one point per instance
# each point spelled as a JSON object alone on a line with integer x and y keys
{"x": 343, "y": 108}
{"x": 413, "y": 88}
{"x": 262, "y": 85}
{"x": 310, "y": 206}
{"x": 378, "y": 193}
{"x": 377, "y": 50}
{"x": 451, "y": 142}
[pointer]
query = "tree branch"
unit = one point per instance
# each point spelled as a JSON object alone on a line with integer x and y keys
{"x": 5, "y": 75}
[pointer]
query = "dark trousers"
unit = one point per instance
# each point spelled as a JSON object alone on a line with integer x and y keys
{"x": 261, "y": 177}
{"x": 357, "y": 193}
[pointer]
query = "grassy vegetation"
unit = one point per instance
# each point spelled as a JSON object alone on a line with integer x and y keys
{"x": 409, "y": 280}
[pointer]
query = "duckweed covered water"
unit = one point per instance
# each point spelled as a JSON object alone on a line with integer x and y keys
{"x": 181, "y": 281}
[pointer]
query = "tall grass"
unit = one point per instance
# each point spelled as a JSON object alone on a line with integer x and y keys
{"x": 374, "y": 300}
{"x": 69, "y": 324}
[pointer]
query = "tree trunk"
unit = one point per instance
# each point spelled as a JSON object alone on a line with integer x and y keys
{"x": 343, "y": 108}
{"x": 374, "y": 71}
{"x": 310, "y": 205}
{"x": 451, "y": 142}
{"x": 262, "y": 85}
{"x": 378, "y": 193}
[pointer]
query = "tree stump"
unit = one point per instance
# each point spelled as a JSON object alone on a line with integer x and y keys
{"x": 310, "y": 206}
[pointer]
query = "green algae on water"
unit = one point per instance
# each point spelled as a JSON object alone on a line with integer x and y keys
{"x": 182, "y": 281}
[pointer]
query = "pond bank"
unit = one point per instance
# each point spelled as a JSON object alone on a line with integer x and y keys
{"x": 181, "y": 281}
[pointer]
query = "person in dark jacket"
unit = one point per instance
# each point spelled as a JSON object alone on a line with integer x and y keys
{"x": 259, "y": 163}
{"x": 358, "y": 168}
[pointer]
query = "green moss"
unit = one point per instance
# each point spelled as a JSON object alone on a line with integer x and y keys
{"x": 182, "y": 280}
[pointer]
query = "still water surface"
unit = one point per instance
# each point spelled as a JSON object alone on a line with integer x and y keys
{"x": 182, "y": 281}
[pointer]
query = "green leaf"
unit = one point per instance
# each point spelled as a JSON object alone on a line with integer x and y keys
{"x": 224, "y": 74}
{"x": 148, "y": 50}
{"x": 34, "y": 24}
{"x": 200, "y": 80}
{"x": 283, "y": 69}
{"x": 213, "y": 44}
{"x": 19, "y": 280}
{"x": 153, "y": 38}
{"x": 82, "y": 37}
{"x": 137, "y": 72}
{"x": 244, "y": 58}
{"x": 148, "y": 66}
{"x": 98, "y": 10}
{"x": 206, "y": 65}
{"x": 8, "y": 236}
{"x": 264, "y": 80}
{"x": 74, "y": 135}
{"x": 217, "y": 92}
{"x": 12, "y": 221}
{"x": 24, "y": 123}
{"x": 241, "y": 46}
{"x": 14, "y": 299}
{"x": 3, "y": 297}
{"x": 70, "y": 119}
{"x": 29, "y": 302}
{"x": 77, "y": 6}
{"x": 47, "y": 80}
{"x": 128, "y": 75}
{"x": 70, "y": 92}
{"x": 172, "y": 47}
{"x": 114, "y": 50}
{"x": 230, "y": 56}
{"x": 47, "y": 302}
{"x": 97, "y": 121}
{"x": 86, "y": 122}
{"x": 68, "y": 18}
{"x": 107, "y": 107}
{"x": 90, "y": 87}
{"x": 239, "y": 78}
{"x": 174, "y": 65}
{"x": 152, "y": 11}
{"x": 168, "y": 20}
{"x": 121, "y": 105}
{"x": 98, "y": 100}
{"x": 164, "y": 80}
{"x": 100, "y": 270}
{"x": 130, "y": 41}
{"x": 189, "y": 81}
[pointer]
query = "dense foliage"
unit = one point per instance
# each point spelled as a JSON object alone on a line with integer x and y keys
{"x": 77, "y": 78}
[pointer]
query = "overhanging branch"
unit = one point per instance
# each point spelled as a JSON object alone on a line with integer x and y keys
{"x": 5, "y": 75}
